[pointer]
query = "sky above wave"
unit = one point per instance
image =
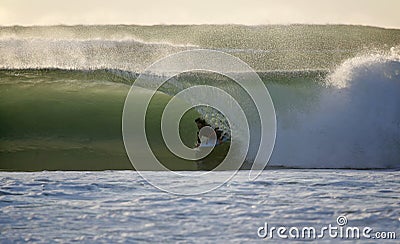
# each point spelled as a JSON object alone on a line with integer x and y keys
{"x": 383, "y": 13}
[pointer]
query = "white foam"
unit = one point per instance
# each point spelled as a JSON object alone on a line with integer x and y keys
{"x": 354, "y": 123}
{"x": 344, "y": 73}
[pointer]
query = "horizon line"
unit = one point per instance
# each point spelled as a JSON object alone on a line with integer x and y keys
{"x": 204, "y": 24}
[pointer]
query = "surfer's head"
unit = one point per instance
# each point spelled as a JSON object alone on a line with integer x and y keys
{"x": 200, "y": 123}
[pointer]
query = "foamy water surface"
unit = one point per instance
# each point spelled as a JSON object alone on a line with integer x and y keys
{"x": 119, "y": 206}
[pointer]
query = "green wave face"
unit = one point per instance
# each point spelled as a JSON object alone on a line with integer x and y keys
{"x": 52, "y": 124}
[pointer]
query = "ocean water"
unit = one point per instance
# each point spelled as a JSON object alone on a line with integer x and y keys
{"x": 65, "y": 175}
{"x": 119, "y": 206}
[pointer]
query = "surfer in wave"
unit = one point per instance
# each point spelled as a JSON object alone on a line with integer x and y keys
{"x": 221, "y": 136}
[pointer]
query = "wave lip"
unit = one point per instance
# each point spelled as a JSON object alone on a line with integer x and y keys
{"x": 134, "y": 48}
{"x": 128, "y": 54}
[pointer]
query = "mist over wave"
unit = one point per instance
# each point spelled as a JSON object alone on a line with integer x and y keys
{"x": 133, "y": 48}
